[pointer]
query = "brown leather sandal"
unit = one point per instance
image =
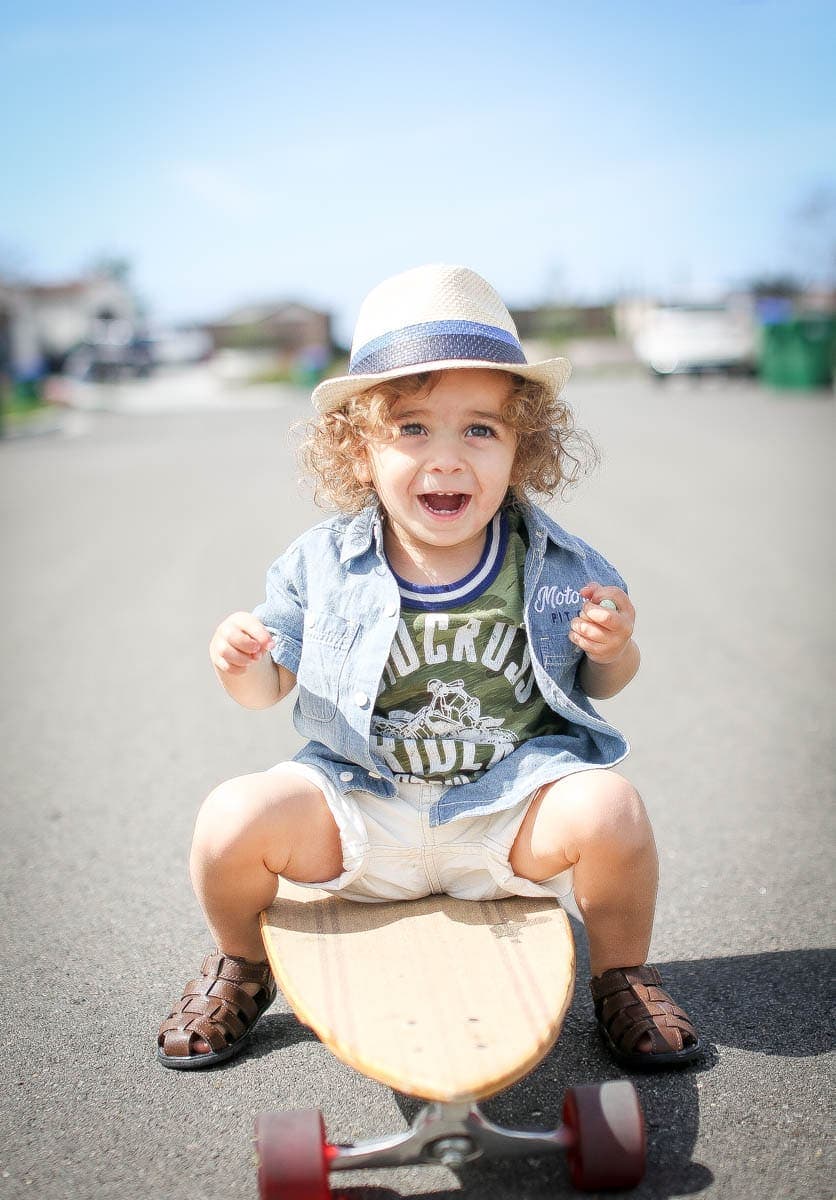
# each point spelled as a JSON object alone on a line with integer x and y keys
{"x": 217, "y": 1009}
{"x": 630, "y": 1003}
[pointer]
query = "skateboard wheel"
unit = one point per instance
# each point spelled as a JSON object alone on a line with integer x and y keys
{"x": 292, "y": 1156}
{"x": 609, "y": 1139}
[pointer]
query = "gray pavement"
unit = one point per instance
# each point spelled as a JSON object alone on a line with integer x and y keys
{"x": 131, "y": 533}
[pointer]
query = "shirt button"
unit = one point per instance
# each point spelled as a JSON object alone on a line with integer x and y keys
{"x": 380, "y": 569}
{"x": 374, "y": 775}
{"x": 346, "y": 776}
{"x": 361, "y": 700}
{"x": 390, "y": 610}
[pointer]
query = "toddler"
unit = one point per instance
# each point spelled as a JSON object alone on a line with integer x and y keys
{"x": 446, "y": 638}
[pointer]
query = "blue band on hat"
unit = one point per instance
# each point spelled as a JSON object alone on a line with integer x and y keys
{"x": 436, "y": 341}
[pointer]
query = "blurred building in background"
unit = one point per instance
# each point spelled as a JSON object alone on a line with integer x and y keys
{"x": 284, "y": 340}
{"x": 285, "y": 328}
{"x": 46, "y": 324}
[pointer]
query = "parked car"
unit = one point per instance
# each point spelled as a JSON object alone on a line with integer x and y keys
{"x": 179, "y": 347}
{"x": 114, "y": 350}
{"x": 696, "y": 339}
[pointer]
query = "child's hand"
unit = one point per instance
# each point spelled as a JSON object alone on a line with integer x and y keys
{"x": 603, "y": 633}
{"x": 239, "y": 642}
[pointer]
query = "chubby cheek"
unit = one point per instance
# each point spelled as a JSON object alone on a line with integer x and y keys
{"x": 374, "y": 465}
{"x": 393, "y": 471}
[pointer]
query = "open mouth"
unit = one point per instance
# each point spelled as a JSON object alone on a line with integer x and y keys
{"x": 444, "y": 504}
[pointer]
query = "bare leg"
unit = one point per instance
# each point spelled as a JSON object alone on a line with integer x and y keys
{"x": 248, "y": 832}
{"x": 595, "y": 822}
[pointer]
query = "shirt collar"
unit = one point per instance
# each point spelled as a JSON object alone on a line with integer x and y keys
{"x": 361, "y": 532}
{"x": 367, "y": 528}
{"x": 541, "y": 525}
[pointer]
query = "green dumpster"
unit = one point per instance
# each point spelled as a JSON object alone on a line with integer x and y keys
{"x": 799, "y": 353}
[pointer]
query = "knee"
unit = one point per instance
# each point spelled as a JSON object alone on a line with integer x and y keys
{"x": 224, "y": 819}
{"x": 613, "y": 816}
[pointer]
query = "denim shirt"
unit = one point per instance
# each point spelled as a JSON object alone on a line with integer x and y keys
{"x": 333, "y": 607}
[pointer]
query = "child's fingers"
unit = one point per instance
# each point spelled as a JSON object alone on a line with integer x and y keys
{"x": 608, "y": 607}
{"x": 596, "y": 621}
{"x": 593, "y": 649}
{"x": 244, "y": 642}
{"x": 227, "y": 658}
{"x": 586, "y": 633}
{"x": 605, "y": 623}
{"x": 589, "y": 649}
{"x": 596, "y": 592}
{"x": 239, "y": 642}
{"x": 246, "y": 633}
{"x": 599, "y": 646}
{"x": 254, "y": 628}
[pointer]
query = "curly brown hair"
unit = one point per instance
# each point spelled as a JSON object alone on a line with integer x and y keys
{"x": 552, "y": 453}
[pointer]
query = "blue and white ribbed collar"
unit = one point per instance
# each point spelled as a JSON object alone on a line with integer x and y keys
{"x": 435, "y": 597}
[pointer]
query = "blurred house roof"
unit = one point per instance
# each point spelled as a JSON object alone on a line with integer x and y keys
{"x": 284, "y": 327}
{"x": 256, "y": 314}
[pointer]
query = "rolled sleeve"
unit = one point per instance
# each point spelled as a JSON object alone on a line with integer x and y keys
{"x": 283, "y": 614}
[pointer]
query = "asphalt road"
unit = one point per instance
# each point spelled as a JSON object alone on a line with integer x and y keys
{"x": 130, "y": 534}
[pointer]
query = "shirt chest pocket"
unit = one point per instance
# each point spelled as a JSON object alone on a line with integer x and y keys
{"x": 557, "y": 654}
{"x": 326, "y": 642}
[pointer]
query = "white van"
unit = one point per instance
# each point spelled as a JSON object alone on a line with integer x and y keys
{"x": 697, "y": 338}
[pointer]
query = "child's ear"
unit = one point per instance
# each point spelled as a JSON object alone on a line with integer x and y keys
{"x": 361, "y": 468}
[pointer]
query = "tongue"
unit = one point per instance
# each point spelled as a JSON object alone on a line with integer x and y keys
{"x": 444, "y": 503}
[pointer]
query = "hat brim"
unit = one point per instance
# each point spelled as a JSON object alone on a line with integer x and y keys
{"x": 553, "y": 373}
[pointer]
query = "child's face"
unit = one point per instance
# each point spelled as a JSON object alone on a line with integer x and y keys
{"x": 447, "y": 472}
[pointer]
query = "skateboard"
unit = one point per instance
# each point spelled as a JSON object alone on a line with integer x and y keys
{"x": 447, "y": 1000}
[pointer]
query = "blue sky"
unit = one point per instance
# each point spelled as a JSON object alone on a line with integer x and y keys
{"x": 269, "y": 151}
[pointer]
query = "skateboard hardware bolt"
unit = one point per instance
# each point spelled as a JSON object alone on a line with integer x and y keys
{"x": 453, "y": 1152}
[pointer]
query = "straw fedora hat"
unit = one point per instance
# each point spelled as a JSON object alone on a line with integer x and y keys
{"x": 434, "y": 318}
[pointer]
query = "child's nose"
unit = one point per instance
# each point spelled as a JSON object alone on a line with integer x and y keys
{"x": 445, "y": 455}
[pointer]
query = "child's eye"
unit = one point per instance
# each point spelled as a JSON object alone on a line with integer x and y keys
{"x": 482, "y": 431}
{"x": 412, "y": 429}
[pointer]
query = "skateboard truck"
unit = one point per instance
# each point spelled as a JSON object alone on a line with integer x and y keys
{"x": 602, "y": 1134}
{"x": 451, "y": 1134}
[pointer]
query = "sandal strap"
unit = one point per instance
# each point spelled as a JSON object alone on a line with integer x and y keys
{"x": 216, "y": 1007}
{"x": 630, "y": 1002}
{"x": 199, "y": 991}
{"x": 236, "y": 970}
{"x": 619, "y": 978}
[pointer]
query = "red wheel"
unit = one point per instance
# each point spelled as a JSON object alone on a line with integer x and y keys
{"x": 608, "y": 1125}
{"x": 292, "y": 1156}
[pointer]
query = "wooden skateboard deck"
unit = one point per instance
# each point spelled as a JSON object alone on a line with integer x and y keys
{"x": 449, "y": 1000}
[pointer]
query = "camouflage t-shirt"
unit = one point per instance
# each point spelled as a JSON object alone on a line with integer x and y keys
{"x": 458, "y": 692}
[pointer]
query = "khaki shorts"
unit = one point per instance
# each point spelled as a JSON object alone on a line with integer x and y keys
{"x": 391, "y": 852}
